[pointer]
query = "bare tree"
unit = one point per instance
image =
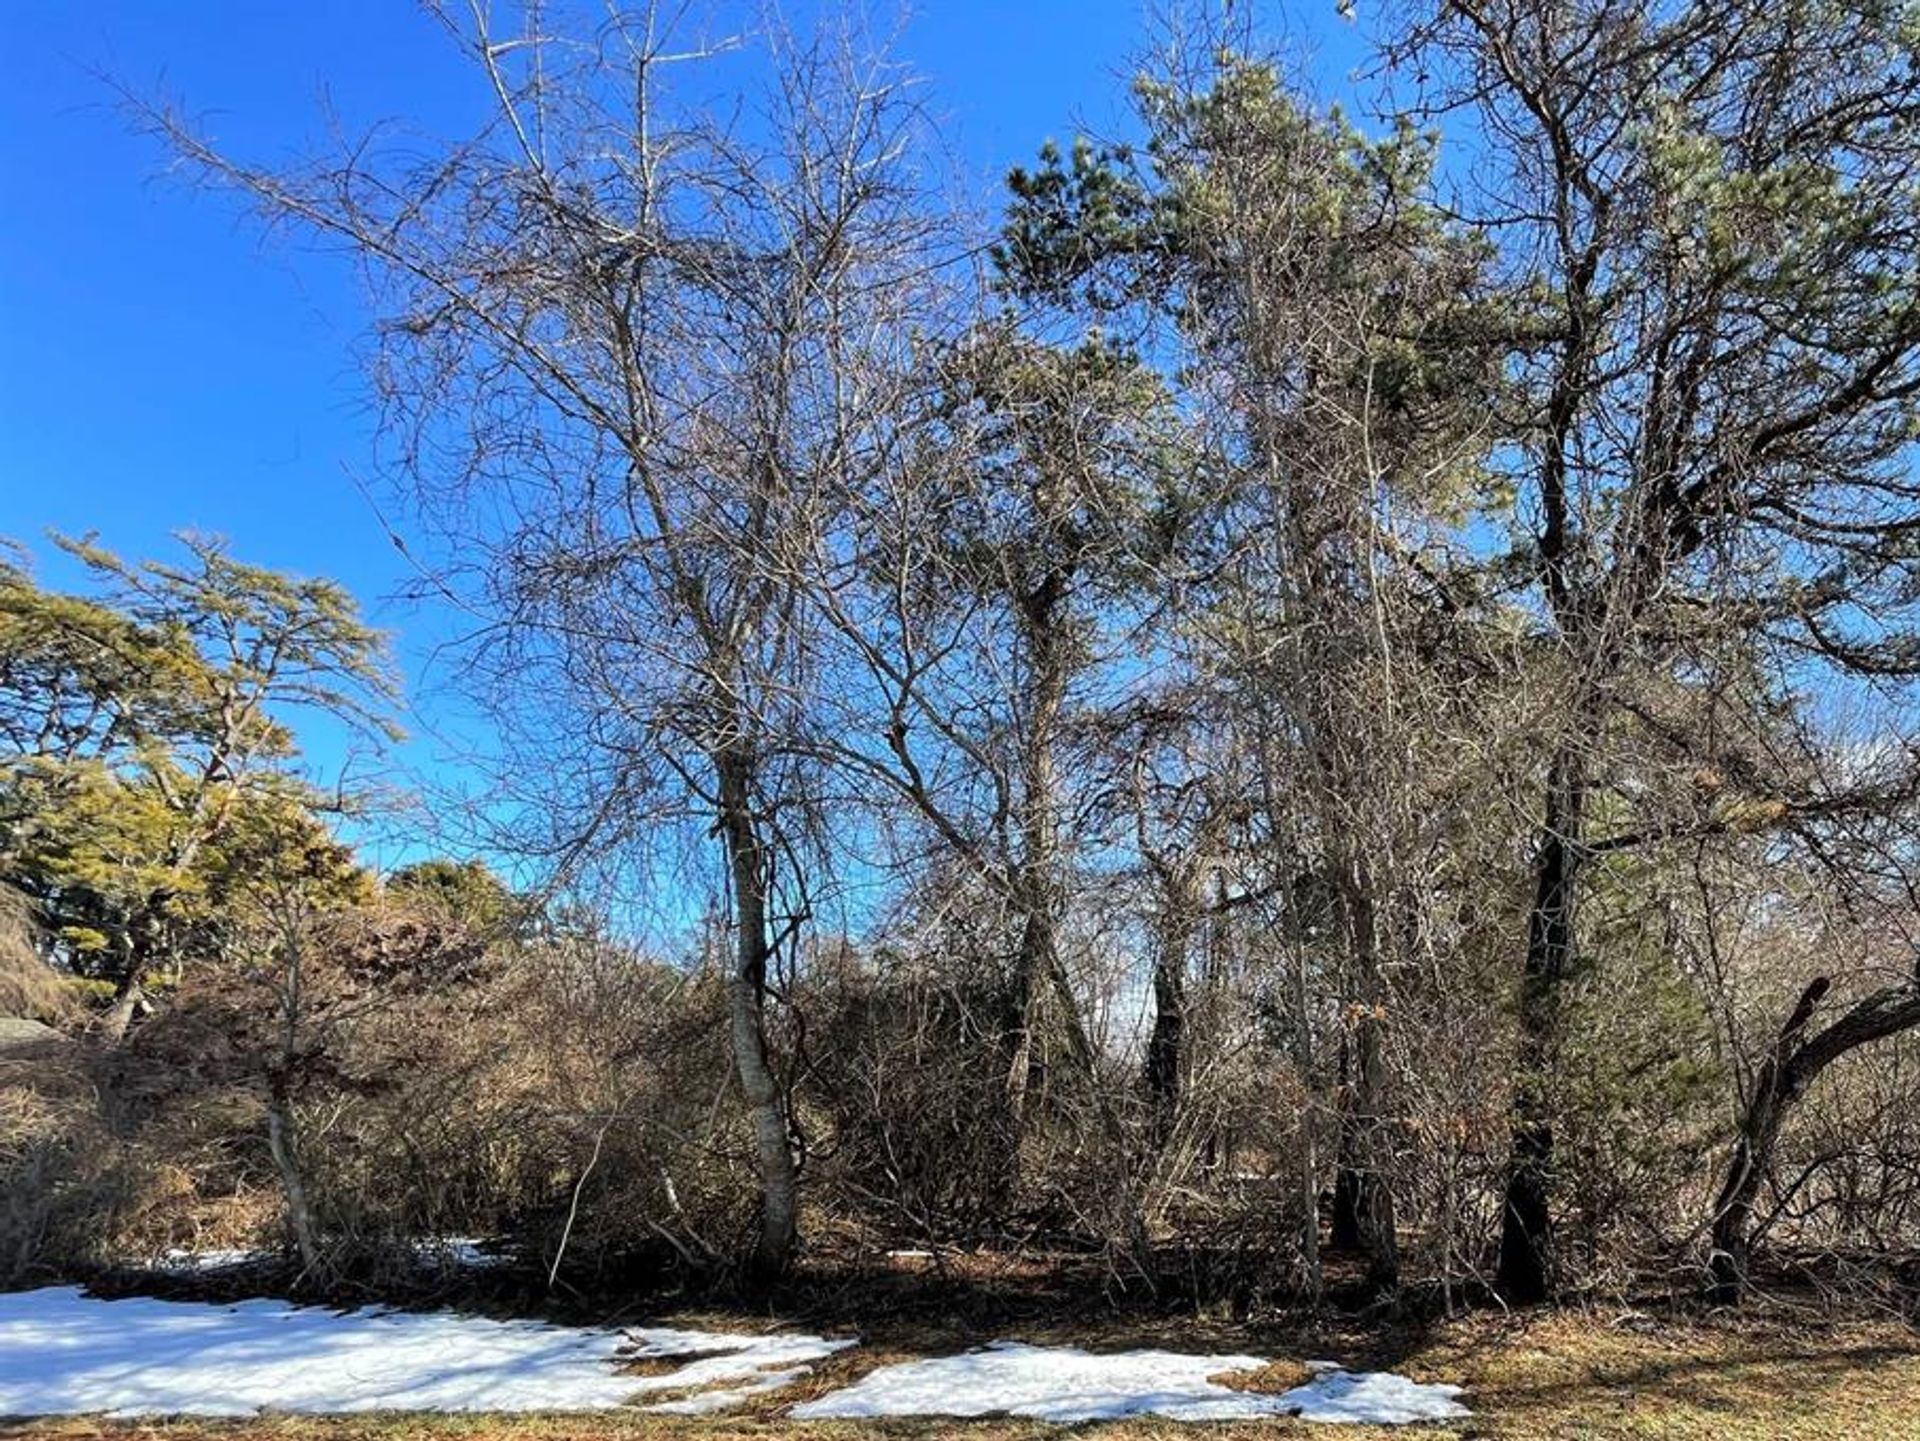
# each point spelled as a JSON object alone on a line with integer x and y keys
{"x": 621, "y": 354}
{"x": 987, "y": 608}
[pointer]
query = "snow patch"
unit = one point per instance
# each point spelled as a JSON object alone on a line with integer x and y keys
{"x": 1375, "y": 1398}
{"x": 1066, "y": 1384}
{"x": 180, "y": 1262}
{"x": 457, "y": 1253}
{"x": 766, "y": 1363}
{"x": 460, "y": 1253}
{"x": 63, "y": 1352}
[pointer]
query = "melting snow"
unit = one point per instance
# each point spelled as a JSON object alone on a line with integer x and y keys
{"x": 450, "y": 1252}
{"x": 765, "y": 1363}
{"x": 183, "y": 1262}
{"x": 1066, "y": 1384}
{"x": 64, "y": 1352}
{"x": 460, "y": 1252}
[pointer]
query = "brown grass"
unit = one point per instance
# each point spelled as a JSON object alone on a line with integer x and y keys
{"x": 29, "y": 987}
{"x": 1569, "y": 1377}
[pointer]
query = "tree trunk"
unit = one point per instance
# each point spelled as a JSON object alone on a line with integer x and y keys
{"x": 1161, "y": 1071}
{"x": 1309, "y": 1178}
{"x": 1525, "y": 1275}
{"x": 282, "y": 1143}
{"x": 1363, "y": 1212}
{"x": 1036, "y": 884}
{"x": 1363, "y": 1218}
{"x": 1731, "y": 1255}
{"x": 1343, "y": 1231}
{"x": 1021, "y": 1007}
{"x": 129, "y": 1000}
{"x": 1782, "y": 1080}
{"x": 140, "y": 946}
{"x": 746, "y": 1010}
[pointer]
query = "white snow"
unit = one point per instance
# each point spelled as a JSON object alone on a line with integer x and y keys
{"x": 64, "y": 1352}
{"x": 765, "y": 1363}
{"x": 1377, "y": 1398}
{"x": 445, "y": 1252}
{"x": 183, "y": 1262}
{"x": 460, "y": 1252}
{"x": 1067, "y": 1384}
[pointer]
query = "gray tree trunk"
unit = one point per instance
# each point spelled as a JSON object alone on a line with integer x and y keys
{"x": 746, "y": 1012}
{"x": 1040, "y": 971}
{"x": 283, "y": 1144}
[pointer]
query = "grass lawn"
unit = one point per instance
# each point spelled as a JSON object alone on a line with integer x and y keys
{"x": 1590, "y": 1375}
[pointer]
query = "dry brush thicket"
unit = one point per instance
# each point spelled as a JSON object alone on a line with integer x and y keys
{"x": 1307, "y": 709}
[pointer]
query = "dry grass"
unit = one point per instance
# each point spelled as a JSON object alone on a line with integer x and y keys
{"x": 1570, "y": 1377}
{"x": 29, "y": 987}
{"x": 1595, "y": 1376}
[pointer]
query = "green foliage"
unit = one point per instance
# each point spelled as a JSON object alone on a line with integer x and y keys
{"x": 1067, "y": 220}
{"x": 467, "y": 893}
{"x": 1638, "y": 1085}
{"x": 147, "y": 794}
{"x": 1245, "y": 200}
{"x": 1074, "y": 446}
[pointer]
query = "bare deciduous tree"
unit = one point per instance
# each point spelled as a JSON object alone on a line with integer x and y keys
{"x": 622, "y": 351}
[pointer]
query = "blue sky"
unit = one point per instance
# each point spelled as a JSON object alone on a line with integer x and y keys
{"x": 165, "y": 365}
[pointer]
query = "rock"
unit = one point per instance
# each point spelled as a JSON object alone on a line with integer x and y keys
{"x": 18, "y": 1031}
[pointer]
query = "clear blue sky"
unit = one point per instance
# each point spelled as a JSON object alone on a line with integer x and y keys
{"x": 167, "y": 366}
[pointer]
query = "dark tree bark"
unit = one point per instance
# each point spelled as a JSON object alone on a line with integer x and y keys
{"x": 1363, "y": 1211}
{"x": 1789, "y": 1069}
{"x": 1363, "y": 1220}
{"x": 1525, "y": 1274}
{"x": 1161, "y": 1069}
{"x": 1343, "y": 1232}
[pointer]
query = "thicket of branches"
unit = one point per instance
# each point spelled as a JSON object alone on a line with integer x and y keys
{"x": 1303, "y": 692}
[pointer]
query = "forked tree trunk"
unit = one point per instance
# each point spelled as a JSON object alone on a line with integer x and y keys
{"x": 746, "y": 1012}
{"x": 1525, "y": 1275}
{"x": 1782, "y": 1080}
{"x": 1161, "y": 1067}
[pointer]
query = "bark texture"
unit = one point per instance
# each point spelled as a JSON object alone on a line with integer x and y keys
{"x": 1794, "y": 1062}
